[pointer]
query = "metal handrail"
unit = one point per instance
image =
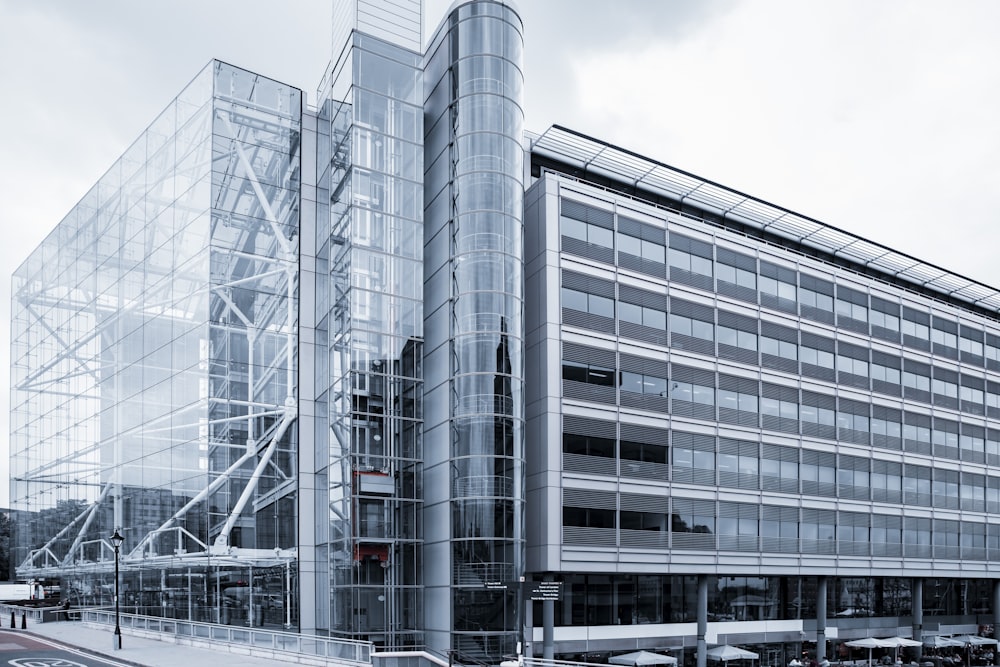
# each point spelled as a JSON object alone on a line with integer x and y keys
{"x": 343, "y": 650}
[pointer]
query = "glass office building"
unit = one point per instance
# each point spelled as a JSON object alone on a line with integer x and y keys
{"x": 154, "y": 356}
{"x": 374, "y": 369}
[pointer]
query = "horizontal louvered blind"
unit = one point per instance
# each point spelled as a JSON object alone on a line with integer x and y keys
{"x": 589, "y": 214}
{"x": 692, "y": 246}
{"x": 944, "y": 324}
{"x": 974, "y": 431}
{"x": 598, "y": 428}
{"x": 738, "y": 447}
{"x": 635, "y": 502}
{"x": 699, "y": 376}
{"x": 852, "y": 351}
{"x": 779, "y": 392}
{"x": 780, "y": 453}
{"x": 775, "y": 513}
{"x": 851, "y": 295}
{"x": 693, "y": 310}
{"x": 853, "y": 518}
{"x": 824, "y": 459}
{"x": 737, "y": 321}
{"x": 854, "y": 463}
{"x": 687, "y": 506}
{"x": 946, "y": 425}
{"x": 698, "y": 441}
{"x": 649, "y": 435}
{"x": 883, "y": 306}
{"x": 731, "y": 258}
{"x": 729, "y": 510}
{"x": 914, "y": 315}
{"x": 816, "y": 284}
{"x": 590, "y": 498}
{"x": 887, "y": 467}
{"x": 781, "y": 273}
{"x": 914, "y": 419}
{"x": 779, "y": 332}
{"x": 589, "y": 284}
{"x": 641, "y": 297}
{"x": 854, "y": 407}
{"x": 817, "y": 516}
{"x": 887, "y": 414}
{"x": 642, "y": 230}
{"x": 818, "y": 342}
{"x": 887, "y": 360}
{"x": 973, "y": 382}
{"x": 583, "y": 354}
{"x": 739, "y": 384}
{"x": 887, "y": 521}
{"x": 945, "y": 374}
{"x": 813, "y": 399}
{"x": 636, "y": 364}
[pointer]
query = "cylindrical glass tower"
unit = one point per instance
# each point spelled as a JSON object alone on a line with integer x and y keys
{"x": 474, "y": 297}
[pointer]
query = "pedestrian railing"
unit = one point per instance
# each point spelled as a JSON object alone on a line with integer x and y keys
{"x": 256, "y": 641}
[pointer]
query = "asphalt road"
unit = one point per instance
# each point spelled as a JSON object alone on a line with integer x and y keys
{"x": 19, "y": 650}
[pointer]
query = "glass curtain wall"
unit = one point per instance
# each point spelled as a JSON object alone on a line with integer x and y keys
{"x": 370, "y": 313}
{"x": 153, "y": 350}
{"x": 474, "y": 297}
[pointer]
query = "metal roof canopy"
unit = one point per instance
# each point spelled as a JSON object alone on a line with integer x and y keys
{"x": 619, "y": 164}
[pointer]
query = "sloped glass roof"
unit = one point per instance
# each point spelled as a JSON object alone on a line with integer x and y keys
{"x": 601, "y": 158}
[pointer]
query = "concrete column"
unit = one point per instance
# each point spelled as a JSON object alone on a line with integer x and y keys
{"x": 702, "y": 618}
{"x": 917, "y": 610}
{"x": 528, "y": 650}
{"x": 821, "y": 586}
{"x": 548, "y": 625}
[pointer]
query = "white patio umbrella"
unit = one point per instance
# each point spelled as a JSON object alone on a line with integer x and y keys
{"x": 642, "y": 659}
{"x": 899, "y": 642}
{"x": 940, "y": 641}
{"x": 870, "y": 643}
{"x": 726, "y": 653}
{"x": 974, "y": 640}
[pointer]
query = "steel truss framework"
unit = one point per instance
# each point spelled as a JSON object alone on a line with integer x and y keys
{"x": 193, "y": 233}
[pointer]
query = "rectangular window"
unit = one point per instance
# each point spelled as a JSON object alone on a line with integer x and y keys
{"x": 853, "y": 366}
{"x": 884, "y": 320}
{"x": 945, "y": 338}
{"x": 693, "y": 393}
{"x": 588, "y": 303}
{"x": 650, "y": 317}
{"x": 735, "y": 400}
{"x": 688, "y": 326}
{"x": 643, "y": 384}
{"x": 588, "y": 374}
{"x": 815, "y": 357}
{"x": 778, "y": 348}
{"x": 915, "y": 381}
{"x": 737, "y": 276}
{"x": 737, "y": 338}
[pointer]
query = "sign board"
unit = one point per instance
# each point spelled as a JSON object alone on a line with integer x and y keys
{"x": 546, "y": 591}
{"x": 499, "y": 585}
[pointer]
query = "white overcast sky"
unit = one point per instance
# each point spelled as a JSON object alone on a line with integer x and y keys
{"x": 876, "y": 116}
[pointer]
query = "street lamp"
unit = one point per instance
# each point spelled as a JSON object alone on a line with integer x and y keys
{"x": 117, "y": 541}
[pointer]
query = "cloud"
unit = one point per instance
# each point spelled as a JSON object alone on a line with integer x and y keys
{"x": 874, "y": 117}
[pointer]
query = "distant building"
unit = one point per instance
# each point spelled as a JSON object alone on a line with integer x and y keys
{"x": 357, "y": 369}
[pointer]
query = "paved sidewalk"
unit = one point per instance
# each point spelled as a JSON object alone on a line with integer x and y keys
{"x": 141, "y": 651}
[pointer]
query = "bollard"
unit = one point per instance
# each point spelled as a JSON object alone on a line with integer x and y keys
{"x": 24, "y": 621}
{"x": 13, "y": 623}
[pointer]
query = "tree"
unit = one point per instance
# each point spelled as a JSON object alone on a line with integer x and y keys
{"x": 5, "y": 530}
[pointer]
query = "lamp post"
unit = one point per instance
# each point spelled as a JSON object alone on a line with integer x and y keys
{"x": 116, "y": 541}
